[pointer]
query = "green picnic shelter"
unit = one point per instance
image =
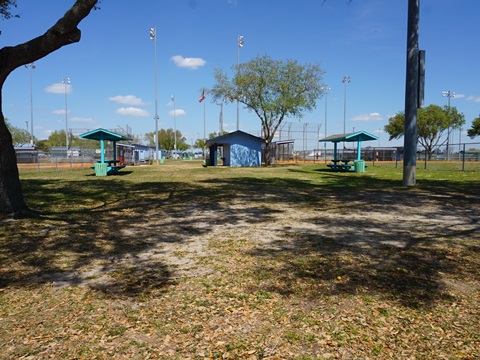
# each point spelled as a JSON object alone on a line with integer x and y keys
{"x": 104, "y": 166}
{"x": 357, "y": 137}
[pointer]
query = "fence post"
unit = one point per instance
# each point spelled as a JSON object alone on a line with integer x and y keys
{"x": 463, "y": 158}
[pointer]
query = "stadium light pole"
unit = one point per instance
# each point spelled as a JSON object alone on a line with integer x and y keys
{"x": 220, "y": 119}
{"x": 448, "y": 94}
{"x": 66, "y": 81}
{"x": 174, "y": 126}
{"x": 326, "y": 89}
{"x": 153, "y": 36}
{"x": 345, "y": 81}
{"x": 31, "y": 66}
{"x": 240, "y": 44}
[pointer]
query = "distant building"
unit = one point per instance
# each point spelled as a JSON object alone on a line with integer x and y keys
{"x": 26, "y": 154}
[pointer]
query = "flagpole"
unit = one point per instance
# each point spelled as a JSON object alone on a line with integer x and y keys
{"x": 153, "y": 36}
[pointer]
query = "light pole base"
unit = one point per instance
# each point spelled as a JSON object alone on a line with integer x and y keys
{"x": 409, "y": 175}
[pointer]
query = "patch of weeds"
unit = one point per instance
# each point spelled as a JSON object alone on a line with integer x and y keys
{"x": 202, "y": 302}
{"x": 138, "y": 344}
{"x": 377, "y": 350}
{"x": 292, "y": 336}
{"x": 116, "y": 331}
{"x": 300, "y": 316}
{"x": 238, "y": 345}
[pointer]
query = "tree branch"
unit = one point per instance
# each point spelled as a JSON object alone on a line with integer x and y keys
{"x": 64, "y": 32}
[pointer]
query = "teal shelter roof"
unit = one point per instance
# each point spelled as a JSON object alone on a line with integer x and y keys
{"x": 102, "y": 134}
{"x": 350, "y": 137}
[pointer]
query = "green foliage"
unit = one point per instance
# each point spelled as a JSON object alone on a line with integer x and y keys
{"x": 475, "y": 130}
{"x": 5, "y": 9}
{"x": 57, "y": 138}
{"x": 19, "y": 136}
{"x": 272, "y": 89}
{"x": 166, "y": 139}
{"x": 433, "y": 122}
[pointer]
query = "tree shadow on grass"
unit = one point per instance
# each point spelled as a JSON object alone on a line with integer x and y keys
{"x": 111, "y": 235}
{"x": 382, "y": 239}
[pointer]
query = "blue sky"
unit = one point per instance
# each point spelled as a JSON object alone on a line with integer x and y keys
{"x": 111, "y": 69}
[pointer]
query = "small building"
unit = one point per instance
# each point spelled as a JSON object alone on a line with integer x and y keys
{"x": 239, "y": 149}
{"x": 26, "y": 154}
{"x": 142, "y": 154}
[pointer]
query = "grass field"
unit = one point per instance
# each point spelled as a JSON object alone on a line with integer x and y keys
{"x": 179, "y": 261}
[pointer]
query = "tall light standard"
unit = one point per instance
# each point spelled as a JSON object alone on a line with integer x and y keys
{"x": 153, "y": 36}
{"x": 220, "y": 120}
{"x": 66, "y": 81}
{"x": 174, "y": 126}
{"x": 31, "y": 66}
{"x": 448, "y": 94}
{"x": 345, "y": 81}
{"x": 240, "y": 45}
{"x": 326, "y": 89}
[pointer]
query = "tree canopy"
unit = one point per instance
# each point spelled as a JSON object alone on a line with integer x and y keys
{"x": 166, "y": 139}
{"x": 433, "y": 123}
{"x": 6, "y": 9}
{"x": 272, "y": 89}
{"x": 19, "y": 136}
{"x": 475, "y": 129}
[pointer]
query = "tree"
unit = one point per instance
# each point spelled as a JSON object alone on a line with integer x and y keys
{"x": 64, "y": 32}
{"x": 5, "y": 9}
{"x": 166, "y": 139}
{"x": 200, "y": 143}
{"x": 432, "y": 123}
{"x": 19, "y": 136}
{"x": 475, "y": 130}
{"x": 272, "y": 89}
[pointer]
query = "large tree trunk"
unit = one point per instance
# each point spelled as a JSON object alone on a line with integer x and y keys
{"x": 11, "y": 197}
{"x": 64, "y": 32}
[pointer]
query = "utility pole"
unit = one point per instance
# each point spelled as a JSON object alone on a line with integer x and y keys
{"x": 411, "y": 95}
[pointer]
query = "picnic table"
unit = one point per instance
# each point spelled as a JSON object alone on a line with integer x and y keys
{"x": 344, "y": 164}
{"x": 341, "y": 165}
{"x": 109, "y": 162}
{"x": 110, "y": 166}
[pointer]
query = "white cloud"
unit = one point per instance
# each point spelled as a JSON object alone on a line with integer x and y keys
{"x": 178, "y": 112}
{"x": 473, "y": 98}
{"x": 127, "y": 100}
{"x": 59, "y": 112}
{"x": 132, "y": 111}
{"x": 368, "y": 117}
{"x": 59, "y": 88}
{"x": 459, "y": 96}
{"x": 190, "y": 63}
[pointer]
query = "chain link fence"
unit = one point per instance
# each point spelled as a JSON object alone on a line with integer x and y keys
{"x": 455, "y": 157}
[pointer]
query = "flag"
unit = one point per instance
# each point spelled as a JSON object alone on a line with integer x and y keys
{"x": 202, "y": 97}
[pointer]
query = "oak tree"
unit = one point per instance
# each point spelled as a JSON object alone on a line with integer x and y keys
{"x": 272, "y": 89}
{"x": 433, "y": 123}
{"x": 64, "y": 32}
